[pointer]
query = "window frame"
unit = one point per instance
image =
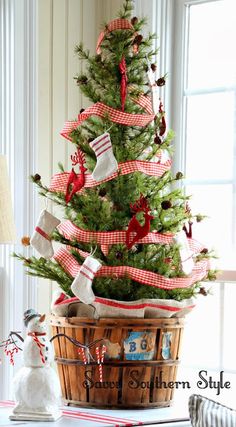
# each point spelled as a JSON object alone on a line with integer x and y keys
{"x": 178, "y": 106}
{"x": 179, "y": 51}
{"x": 18, "y": 142}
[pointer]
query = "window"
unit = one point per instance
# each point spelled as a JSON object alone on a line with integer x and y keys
{"x": 17, "y": 142}
{"x": 204, "y": 112}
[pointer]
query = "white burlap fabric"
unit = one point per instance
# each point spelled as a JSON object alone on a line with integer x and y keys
{"x": 103, "y": 307}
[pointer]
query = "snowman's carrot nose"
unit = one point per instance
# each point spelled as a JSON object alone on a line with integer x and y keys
{"x": 42, "y": 318}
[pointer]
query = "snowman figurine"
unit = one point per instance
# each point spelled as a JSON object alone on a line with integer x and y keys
{"x": 36, "y": 386}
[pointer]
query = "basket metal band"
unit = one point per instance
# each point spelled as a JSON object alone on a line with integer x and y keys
{"x": 116, "y": 364}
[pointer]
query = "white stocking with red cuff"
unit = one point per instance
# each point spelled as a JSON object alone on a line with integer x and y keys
{"x": 185, "y": 253}
{"x": 82, "y": 285}
{"x": 41, "y": 240}
{"x": 106, "y": 161}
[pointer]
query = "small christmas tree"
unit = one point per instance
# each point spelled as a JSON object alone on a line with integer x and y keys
{"x": 127, "y": 233}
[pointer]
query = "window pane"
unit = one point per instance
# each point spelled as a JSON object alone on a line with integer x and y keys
{"x": 201, "y": 335}
{"x": 212, "y": 35}
{"x": 210, "y": 136}
{"x": 229, "y": 355}
{"x": 216, "y": 232}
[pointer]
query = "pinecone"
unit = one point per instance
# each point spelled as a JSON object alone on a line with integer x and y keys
{"x": 157, "y": 140}
{"x": 161, "y": 81}
{"x": 102, "y": 192}
{"x": 134, "y": 20}
{"x": 166, "y": 204}
{"x": 138, "y": 39}
{"x": 82, "y": 110}
{"x": 119, "y": 255}
{"x": 179, "y": 175}
{"x": 153, "y": 67}
{"x": 139, "y": 248}
{"x": 203, "y": 291}
{"x": 199, "y": 218}
{"x": 82, "y": 80}
{"x": 204, "y": 251}
{"x": 117, "y": 207}
{"x": 36, "y": 177}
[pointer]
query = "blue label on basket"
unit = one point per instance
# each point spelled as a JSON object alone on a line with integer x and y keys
{"x": 166, "y": 345}
{"x": 139, "y": 346}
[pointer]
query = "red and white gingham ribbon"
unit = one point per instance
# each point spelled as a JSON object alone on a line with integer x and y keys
{"x": 145, "y": 102}
{"x": 117, "y": 116}
{"x": 59, "y": 180}
{"x": 69, "y": 263}
{"x": 116, "y": 24}
{"x": 107, "y": 238}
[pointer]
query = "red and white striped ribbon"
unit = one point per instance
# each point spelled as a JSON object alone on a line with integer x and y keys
{"x": 59, "y": 180}
{"x": 106, "y": 238}
{"x": 117, "y": 116}
{"x": 101, "y": 144}
{"x": 87, "y": 416}
{"x": 69, "y": 263}
{"x": 116, "y": 24}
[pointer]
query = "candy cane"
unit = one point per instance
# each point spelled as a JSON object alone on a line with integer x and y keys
{"x": 10, "y": 352}
{"x": 81, "y": 351}
{"x": 100, "y": 360}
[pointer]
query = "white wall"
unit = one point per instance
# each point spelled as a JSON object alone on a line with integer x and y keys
{"x": 61, "y": 25}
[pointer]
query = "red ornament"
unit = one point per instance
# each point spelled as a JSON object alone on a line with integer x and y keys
{"x": 123, "y": 83}
{"x": 134, "y": 226}
{"x": 76, "y": 181}
{"x": 163, "y": 120}
{"x": 189, "y": 231}
{"x": 157, "y": 140}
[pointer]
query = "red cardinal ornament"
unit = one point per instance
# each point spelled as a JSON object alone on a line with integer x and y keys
{"x": 76, "y": 181}
{"x": 134, "y": 226}
{"x": 123, "y": 83}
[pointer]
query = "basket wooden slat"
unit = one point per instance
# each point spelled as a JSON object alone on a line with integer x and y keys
{"x": 126, "y": 383}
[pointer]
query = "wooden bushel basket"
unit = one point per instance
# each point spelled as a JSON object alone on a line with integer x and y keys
{"x": 141, "y": 375}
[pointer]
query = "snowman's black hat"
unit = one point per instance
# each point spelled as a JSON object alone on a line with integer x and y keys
{"x": 30, "y": 314}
